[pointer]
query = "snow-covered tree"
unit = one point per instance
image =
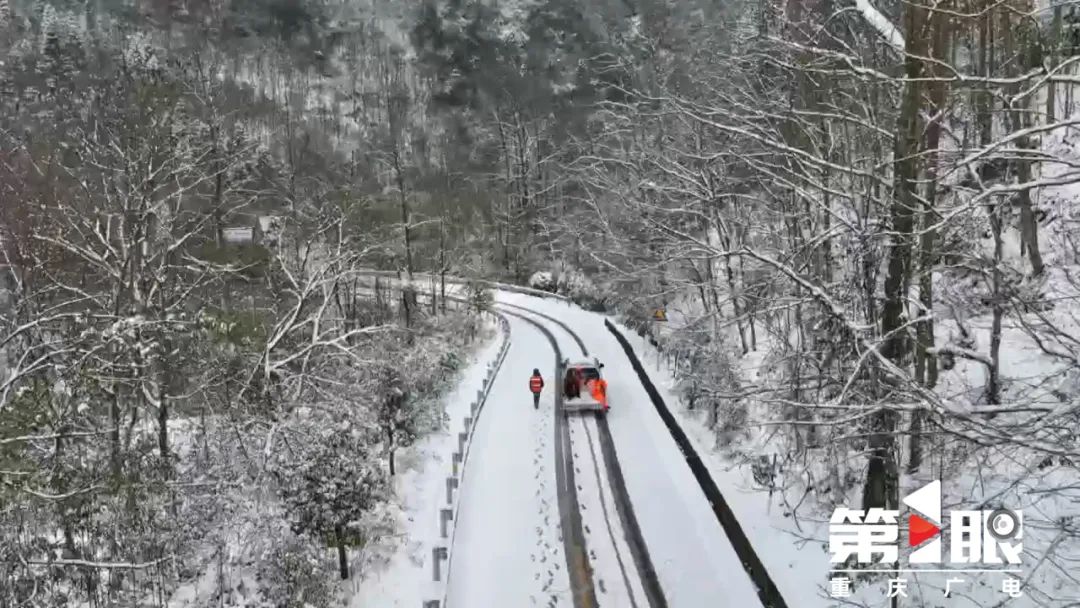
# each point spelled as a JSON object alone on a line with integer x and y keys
{"x": 331, "y": 488}
{"x": 395, "y": 413}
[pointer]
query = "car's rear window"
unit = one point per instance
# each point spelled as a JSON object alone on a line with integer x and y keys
{"x": 589, "y": 373}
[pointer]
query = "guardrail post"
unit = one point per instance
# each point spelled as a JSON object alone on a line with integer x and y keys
{"x": 468, "y": 421}
{"x": 461, "y": 437}
{"x": 479, "y": 396}
{"x": 451, "y": 484}
{"x": 437, "y": 553}
{"x": 472, "y": 408}
{"x": 445, "y": 515}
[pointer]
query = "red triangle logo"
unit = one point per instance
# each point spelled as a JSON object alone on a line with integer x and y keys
{"x": 919, "y": 530}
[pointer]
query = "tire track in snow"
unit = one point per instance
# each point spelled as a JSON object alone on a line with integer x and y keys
{"x": 563, "y": 326}
{"x": 578, "y": 568}
{"x": 598, "y": 480}
{"x": 632, "y": 531}
{"x": 755, "y": 569}
{"x": 571, "y": 532}
{"x": 546, "y": 542}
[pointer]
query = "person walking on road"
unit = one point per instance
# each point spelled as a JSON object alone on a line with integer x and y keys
{"x": 536, "y": 384}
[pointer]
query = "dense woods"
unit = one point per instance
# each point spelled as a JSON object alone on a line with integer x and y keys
{"x": 860, "y": 218}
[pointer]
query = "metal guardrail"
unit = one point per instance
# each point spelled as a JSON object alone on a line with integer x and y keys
{"x": 459, "y": 460}
{"x": 465, "y": 280}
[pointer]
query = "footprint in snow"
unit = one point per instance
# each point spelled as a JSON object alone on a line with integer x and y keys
{"x": 600, "y": 583}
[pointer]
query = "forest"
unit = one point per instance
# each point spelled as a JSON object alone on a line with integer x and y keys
{"x": 874, "y": 203}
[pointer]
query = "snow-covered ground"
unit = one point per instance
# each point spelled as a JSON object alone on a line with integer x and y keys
{"x": 694, "y": 560}
{"x": 687, "y": 546}
{"x": 406, "y": 580}
{"x": 615, "y": 576}
{"x": 792, "y": 541}
{"x": 507, "y": 550}
{"x": 799, "y": 568}
{"x": 794, "y": 548}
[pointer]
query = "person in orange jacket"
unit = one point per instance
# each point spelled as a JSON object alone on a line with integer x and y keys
{"x": 536, "y": 384}
{"x": 599, "y": 392}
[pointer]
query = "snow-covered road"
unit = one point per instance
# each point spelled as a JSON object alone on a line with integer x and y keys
{"x": 511, "y": 544}
{"x": 694, "y": 561}
{"x": 507, "y": 550}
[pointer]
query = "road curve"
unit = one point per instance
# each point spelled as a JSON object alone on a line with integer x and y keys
{"x": 648, "y": 584}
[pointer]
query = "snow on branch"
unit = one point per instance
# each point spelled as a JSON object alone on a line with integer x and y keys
{"x": 101, "y": 565}
{"x": 879, "y": 22}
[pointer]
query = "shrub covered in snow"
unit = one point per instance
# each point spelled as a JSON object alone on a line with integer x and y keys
{"x": 544, "y": 281}
{"x": 479, "y": 296}
{"x": 292, "y": 574}
{"x": 334, "y": 485}
{"x": 395, "y": 413}
{"x": 573, "y": 284}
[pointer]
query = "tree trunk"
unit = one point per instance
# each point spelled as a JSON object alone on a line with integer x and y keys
{"x": 749, "y": 307}
{"x": 406, "y": 218}
{"x": 993, "y": 387}
{"x": 114, "y": 435}
{"x": 442, "y": 264}
{"x": 342, "y": 553}
{"x": 881, "y": 488}
{"x": 1021, "y": 119}
{"x": 926, "y": 365}
{"x": 507, "y": 230}
{"x": 1029, "y": 227}
{"x": 734, "y": 292}
{"x": 1055, "y": 52}
{"x": 390, "y": 450}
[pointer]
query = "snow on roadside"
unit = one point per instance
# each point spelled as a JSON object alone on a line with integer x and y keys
{"x": 792, "y": 541}
{"x": 794, "y": 549}
{"x": 787, "y": 546}
{"x": 420, "y": 490}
